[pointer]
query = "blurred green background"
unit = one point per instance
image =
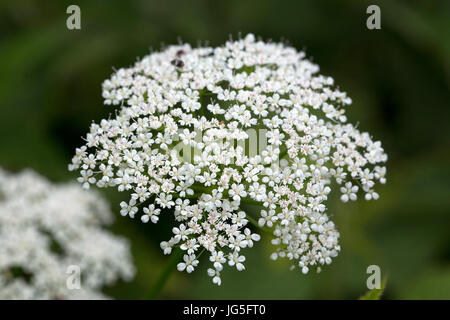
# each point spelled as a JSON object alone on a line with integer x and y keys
{"x": 398, "y": 77}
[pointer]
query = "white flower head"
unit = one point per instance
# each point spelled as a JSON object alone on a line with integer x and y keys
{"x": 205, "y": 131}
{"x": 45, "y": 230}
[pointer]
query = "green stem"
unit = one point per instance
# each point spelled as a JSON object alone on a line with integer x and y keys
{"x": 250, "y": 201}
{"x": 200, "y": 254}
{"x": 252, "y": 221}
{"x": 171, "y": 266}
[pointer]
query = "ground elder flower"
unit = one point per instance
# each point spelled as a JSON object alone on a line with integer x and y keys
{"x": 45, "y": 229}
{"x": 208, "y": 131}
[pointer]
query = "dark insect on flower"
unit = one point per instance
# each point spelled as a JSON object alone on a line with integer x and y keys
{"x": 177, "y": 63}
{"x": 180, "y": 53}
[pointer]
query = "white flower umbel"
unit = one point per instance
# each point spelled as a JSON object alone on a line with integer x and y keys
{"x": 52, "y": 236}
{"x": 204, "y": 131}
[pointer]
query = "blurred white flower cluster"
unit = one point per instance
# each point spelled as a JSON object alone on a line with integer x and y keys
{"x": 45, "y": 229}
{"x": 204, "y": 130}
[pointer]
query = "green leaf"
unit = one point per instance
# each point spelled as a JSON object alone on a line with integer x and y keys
{"x": 375, "y": 294}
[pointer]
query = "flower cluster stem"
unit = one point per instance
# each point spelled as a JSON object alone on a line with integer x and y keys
{"x": 167, "y": 272}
